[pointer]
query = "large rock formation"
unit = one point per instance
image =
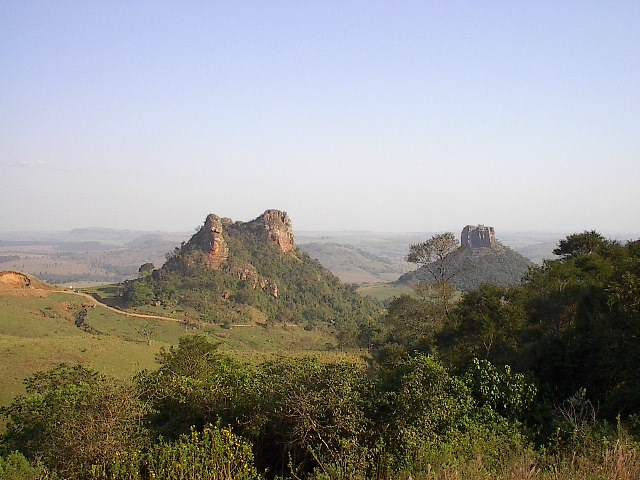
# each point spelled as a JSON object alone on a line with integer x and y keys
{"x": 209, "y": 239}
{"x": 478, "y": 236}
{"x": 249, "y": 273}
{"x": 482, "y": 259}
{"x": 272, "y": 227}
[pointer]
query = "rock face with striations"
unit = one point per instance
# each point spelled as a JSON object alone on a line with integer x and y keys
{"x": 272, "y": 227}
{"x": 209, "y": 239}
{"x": 478, "y": 236}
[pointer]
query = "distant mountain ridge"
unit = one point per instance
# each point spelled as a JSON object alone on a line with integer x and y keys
{"x": 111, "y": 255}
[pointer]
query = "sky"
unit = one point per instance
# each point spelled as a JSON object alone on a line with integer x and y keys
{"x": 387, "y": 116}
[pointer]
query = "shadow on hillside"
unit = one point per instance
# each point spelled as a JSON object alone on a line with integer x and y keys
{"x": 114, "y": 301}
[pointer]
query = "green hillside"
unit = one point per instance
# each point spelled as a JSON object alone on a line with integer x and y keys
{"x": 355, "y": 265}
{"x": 252, "y": 282}
{"x": 38, "y": 331}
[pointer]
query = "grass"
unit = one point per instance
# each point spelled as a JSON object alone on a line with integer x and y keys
{"x": 620, "y": 461}
{"x": 386, "y": 291}
{"x": 38, "y": 332}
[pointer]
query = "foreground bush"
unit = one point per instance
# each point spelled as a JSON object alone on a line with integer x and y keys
{"x": 305, "y": 419}
{"x": 213, "y": 454}
{"x": 72, "y": 418}
{"x": 15, "y": 466}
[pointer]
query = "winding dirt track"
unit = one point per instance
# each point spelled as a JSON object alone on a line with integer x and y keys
{"x": 19, "y": 281}
{"x": 97, "y": 302}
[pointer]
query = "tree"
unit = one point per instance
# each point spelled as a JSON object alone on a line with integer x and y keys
{"x": 582, "y": 243}
{"x": 423, "y": 412}
{"x": 486, "y": 323}
{"x": 138, "y": 292}
{"x": 147, "y": 330}
{"x": 435, "y": 256}
{"x": 146, "y": 269}
{"x": 195, "y": 385}
{"x": 410, "y": 323}
{"x": 504, "y": 391}
{"x": 314, "y": 413}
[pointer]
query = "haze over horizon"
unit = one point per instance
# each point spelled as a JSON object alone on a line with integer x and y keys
{"x": 374, "y": 116}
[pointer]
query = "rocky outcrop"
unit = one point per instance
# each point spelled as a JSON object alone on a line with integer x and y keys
{"x": 478, "y": 236}
{"x": 210, "y": 240}
{"x": 272, "y": 227}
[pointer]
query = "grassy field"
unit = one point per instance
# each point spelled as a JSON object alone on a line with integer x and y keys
{"x": 384, "y": 292}
{"x": 38, "y": 331}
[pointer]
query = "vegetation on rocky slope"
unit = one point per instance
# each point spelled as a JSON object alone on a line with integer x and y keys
{"x": 259, "y": 283}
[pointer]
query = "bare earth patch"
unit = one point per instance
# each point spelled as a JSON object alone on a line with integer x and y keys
{"x": 14, "y": 279}
{"x": 15, "y": 283}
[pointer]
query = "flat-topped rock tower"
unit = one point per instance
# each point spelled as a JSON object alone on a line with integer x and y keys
{"x": 478, "y": 236}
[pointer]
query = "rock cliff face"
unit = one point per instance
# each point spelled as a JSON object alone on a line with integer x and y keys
{"x": 210, "y": 240}
{"x": 272, "y": 227}
{"x": 478, "y": 236}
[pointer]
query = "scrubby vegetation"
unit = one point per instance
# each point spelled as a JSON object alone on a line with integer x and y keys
{"x": 475, "y": 266}
{"x": 307, "y": 293}
{"x": 537, "y": 381}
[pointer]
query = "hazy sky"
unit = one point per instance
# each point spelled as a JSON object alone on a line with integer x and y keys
{"x": 349, "y": 115}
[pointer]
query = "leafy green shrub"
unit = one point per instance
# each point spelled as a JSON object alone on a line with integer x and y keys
{"x": 213, "y": 454}
{"x": 427, "y": 416}
{"x": 508, "y": 393}
{"x": 196, "y": 385}
{"x": 15, "y": 466}
{"x": 72, "y": 418}
{"x": 315, "y": 414}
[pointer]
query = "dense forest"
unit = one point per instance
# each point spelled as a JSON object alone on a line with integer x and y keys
{"x": 538, "y": 380}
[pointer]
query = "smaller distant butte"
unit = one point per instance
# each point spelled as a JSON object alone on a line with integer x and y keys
{"x": 478, "y": 236}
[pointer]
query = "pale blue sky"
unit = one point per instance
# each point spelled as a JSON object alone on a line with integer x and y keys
{"x": 349, "y": 115}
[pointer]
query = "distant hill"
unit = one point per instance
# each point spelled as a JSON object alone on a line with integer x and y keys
{"x": 249, "y": 272}
{"x": 84, "y": 255}
{"x": 480, "y": 259}
{"x": 355, "y": 265}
